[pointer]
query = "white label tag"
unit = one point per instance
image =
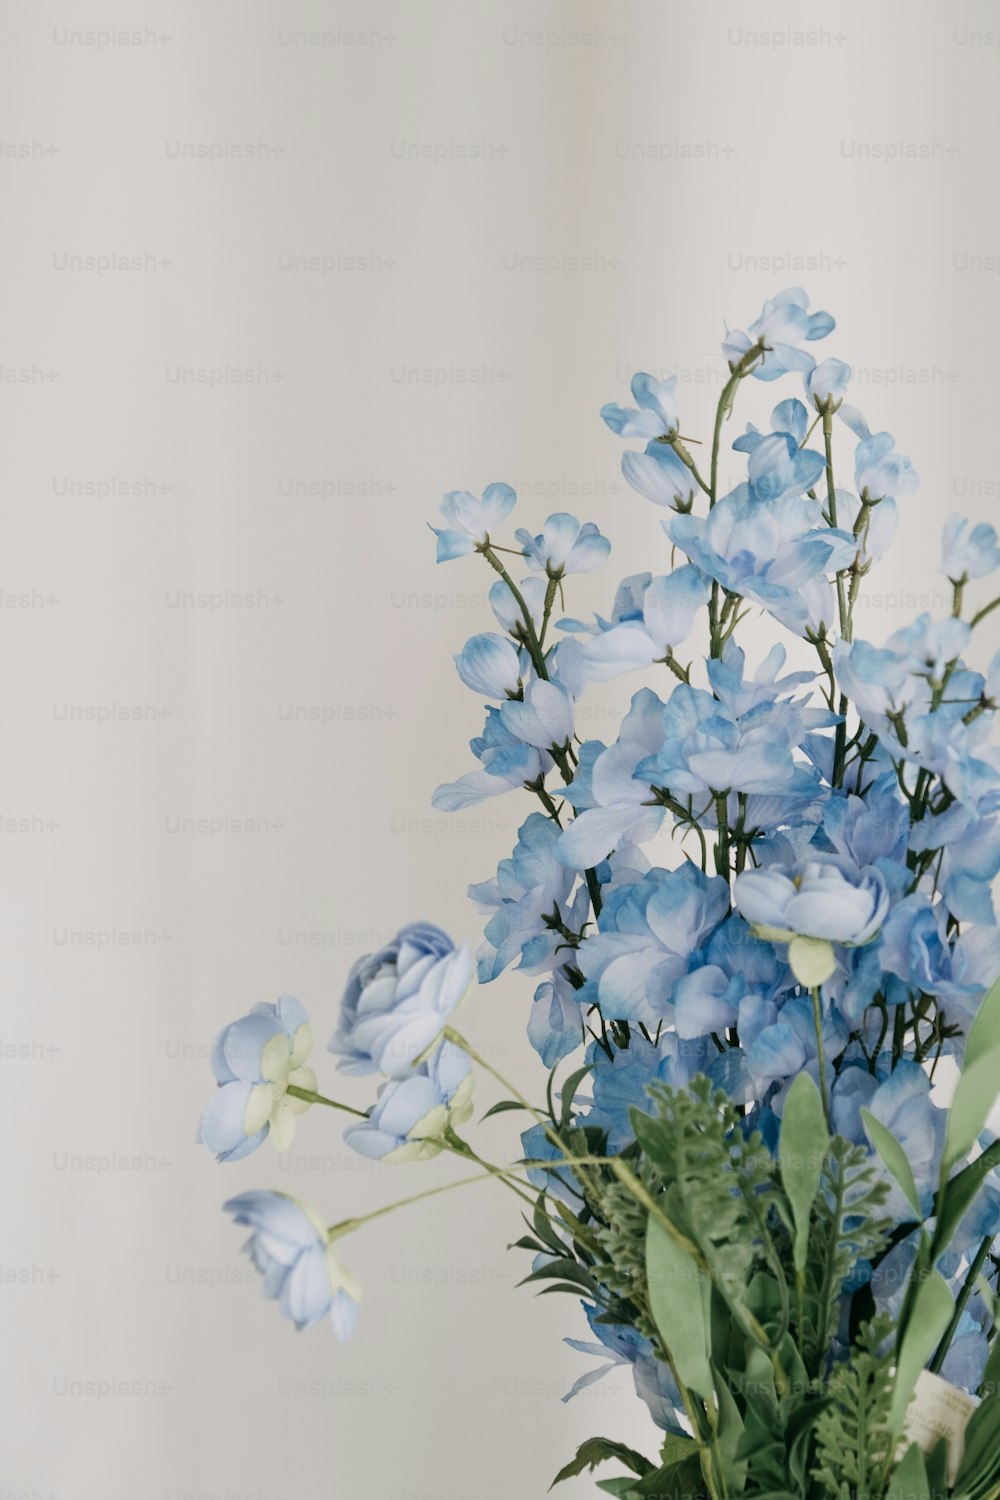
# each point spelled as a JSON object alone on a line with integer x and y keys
{"x": 938, "y": 1410}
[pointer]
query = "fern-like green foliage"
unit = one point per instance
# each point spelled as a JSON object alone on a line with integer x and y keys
{"x": 853, "y": 1448}
{"x": 848, "y": 1226}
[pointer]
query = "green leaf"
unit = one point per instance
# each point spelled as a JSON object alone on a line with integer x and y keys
{"x": 568, "y": 1092}
{"x": 623, "y": 1488}
{"x": 677, "y": 1448}
{"x": 597, "y": 1451}
{"x": 802, "y": 1150}
{"x": 930, "y": 1315}
{"x": 894, "y": 1157}
{"x": 812, "y": 960}
{"x": 991, "y": 1375}
{"x": 958, "y": 1195}
{"x": 678, "y": 1481}
{"x": 679, "y": 1299}
{"x": 981, "y": 1458}
{"x": 975, "y": 1096}
{"x": 984, "y": 1033}
{"x": 909, "y": 1479}
{"x": 501, "y": 1108}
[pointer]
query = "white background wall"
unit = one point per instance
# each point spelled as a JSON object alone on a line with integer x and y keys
{"x": 688, "y": 157}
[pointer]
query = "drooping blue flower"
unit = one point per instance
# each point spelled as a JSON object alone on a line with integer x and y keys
{"x": 969, "y": 861}
{"x": 555, "y": 1025}
{"x": 611, "y": 803}
{"x": 878, "y": 470}
{"x": 969, "y": 554}
{"x": 778, "y": 467}
{"x": 398, "y": 1000}
{"x": 648, "y": 934}
{"x": 507, "y": 762}
{"x": 507, "y": 609}
{"x": 656, "y": 415}
{"x": 254, "y": 1060}
{"x": 291, "y": 1248}
{"x": 488, "y": 664}
{"x": 470, "y": 521}
{"x": 659, "y": 475}
{"x": 564, "y": 546}
{"x": 667, "y": 608}
{"x": 543, "y": 718}
{"x": 409, "y": 1119}
{"x": 919, "y": 950}
{"x": 777, "y": 555}
{"x": 826, "y": 384}
{"x": 785, "y": 323}
{"x": 530, "y": 886}
{"x": 654, "y": 1383}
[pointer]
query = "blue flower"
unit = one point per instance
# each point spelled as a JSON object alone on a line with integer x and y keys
{"x": 564, "y": 546}
{"x": 968, "y": 555}
{"x": 531, "y": 885}
{"x": 659, "y": 475}
{"x": 895, "y": 677}
{"x": 917, "y": 948}
{"x": 254, "y": 1060}
{"x": 543, "y": 718}
{"x": 778, "y": 466}
{"x": 667, "y": 613}
{"x": 470, "y": 521}
{"x": 488, "y": 664}
{"x": 611, "y": 804}
{"x": 878, "y": 470}
{"x": 904, "y": 1106}
{"x": 777, "y": 554}
{"x": 649, "y": 931}
{"x": 734, "y": 986}
{"x": 508, "y": 611}
{"x": 708, "y": 748}
{"x": 507, "y": 762}
{"x": 621, "y": 1083}
{"x": 784, "y": 323}
{"x": 293, "y": 1251}
{"x": 969, "y": 842}
{"x": 654, "y": 1383}
{"x": 657, "y": 409}
{"x": 867, "y": 829}
{"x": 821, "y": 901}
{"x": 827, "y": 383}
{"x": 398, "y": 1000}
{"x": 555, "y": 1025}
{"x": 409, "y": 1119}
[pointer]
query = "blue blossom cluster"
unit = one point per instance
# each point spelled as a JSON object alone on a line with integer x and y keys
{"x": 777, "y": 866}
{"x": 839, "y": 825}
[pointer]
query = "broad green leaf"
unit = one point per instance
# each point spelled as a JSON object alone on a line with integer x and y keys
{"x": 975, "y": 1096}
{"x": 894, "y": 1157}
{"x": 984, "y": 1033}
{"x": 812, "y": 960}
{"x": 958, "y": 1195}
{"x": 981, "y": 1456}
{"x": 679, "y": 1299}
{"x": 678, "y": 1481}
{"x": 929, "y": 1317}
{"x": 677, "y": 1448}
{"x": 909, "y": 1479}
{"x": 802, "y": 1148}
{"x": 598, "y": 1450}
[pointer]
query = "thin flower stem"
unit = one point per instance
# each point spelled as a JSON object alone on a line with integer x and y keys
{"x": 820, "y": 1059}
{"x": 961, "y": 1302}
{"x": 348, "y": 1226}
{"x": 314, "y": 1098}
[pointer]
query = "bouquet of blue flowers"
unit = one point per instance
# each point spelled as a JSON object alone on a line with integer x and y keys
{"x": 741, "y": 1161}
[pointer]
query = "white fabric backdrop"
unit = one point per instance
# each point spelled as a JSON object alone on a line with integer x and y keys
{"x": 545, "y": 197}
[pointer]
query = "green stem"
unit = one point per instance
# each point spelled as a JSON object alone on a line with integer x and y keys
{"x": 314, "y": 1098}
{"x": 961, "y": 1302}
{"x": 348, "y": 1226}
{"x": 531, "y": 640}
{"x": 454, "y": 1143}
{"x": 820, "y": 1059}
